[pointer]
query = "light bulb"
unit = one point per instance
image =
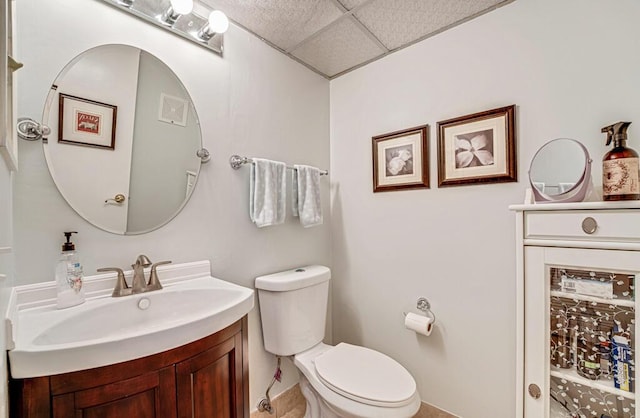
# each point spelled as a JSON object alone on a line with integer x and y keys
{"x": 183, "y": 7}
{"x": 218, "y": 22}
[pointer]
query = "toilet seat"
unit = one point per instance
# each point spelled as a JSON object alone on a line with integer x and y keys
{"x": 341, "y": 405}
{"x": 365, "y": 376}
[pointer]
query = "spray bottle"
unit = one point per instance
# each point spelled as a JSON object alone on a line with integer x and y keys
{"x": 620, "y": 168}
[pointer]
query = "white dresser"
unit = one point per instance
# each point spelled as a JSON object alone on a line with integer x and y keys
{"x": 576, "y": 269}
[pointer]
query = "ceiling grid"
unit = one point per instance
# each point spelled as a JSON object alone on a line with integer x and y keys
{"x": 333, "y": 37}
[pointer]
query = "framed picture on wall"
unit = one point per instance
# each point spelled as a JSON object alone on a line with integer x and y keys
{"x": 86, "y": 122}
{"x": 478, "y": 148}
{"x": 401, "y": 160}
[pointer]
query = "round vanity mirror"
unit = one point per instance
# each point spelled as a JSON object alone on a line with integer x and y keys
{"x": 560, "y": 171}
{"x": 124, "y": 137}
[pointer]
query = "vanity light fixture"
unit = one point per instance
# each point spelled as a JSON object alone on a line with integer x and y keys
{"x": 218, "y": 23}
{"x": 189, "y": 19}
{"x": 176, "y": 9}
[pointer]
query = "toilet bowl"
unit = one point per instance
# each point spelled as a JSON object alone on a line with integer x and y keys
{"x": 353, "y": 381}
{"x": 337, "y": 381}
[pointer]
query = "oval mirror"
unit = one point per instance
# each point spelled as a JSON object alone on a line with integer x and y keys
{"x": 560, "y": 171}
{"x": 124, "y": 137}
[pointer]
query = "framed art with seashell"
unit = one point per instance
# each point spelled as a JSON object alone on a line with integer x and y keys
{"x": 478, "y": 148}
{"x": 401, "y": 160}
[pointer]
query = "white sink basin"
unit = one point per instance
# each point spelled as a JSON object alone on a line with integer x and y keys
{"x": 106, "y": 330}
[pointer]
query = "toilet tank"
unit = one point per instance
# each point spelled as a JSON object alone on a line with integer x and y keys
{"x": 293, "y": 308}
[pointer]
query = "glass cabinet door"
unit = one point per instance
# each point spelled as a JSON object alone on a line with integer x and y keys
{"x": 580, "y": 334}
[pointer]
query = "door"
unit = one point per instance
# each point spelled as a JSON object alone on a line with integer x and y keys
{"x": 151, "y": 395}
{"x": 580, "y": 334}
{"x": 210, "y": 384}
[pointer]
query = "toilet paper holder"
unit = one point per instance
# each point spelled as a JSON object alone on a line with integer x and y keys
{"x": 424, "y": 306}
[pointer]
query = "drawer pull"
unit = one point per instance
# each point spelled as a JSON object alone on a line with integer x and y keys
{"x": 534, "y": 391}
{"x": 589, "y": 225}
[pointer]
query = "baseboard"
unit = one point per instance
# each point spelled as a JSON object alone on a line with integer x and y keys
{"x": 291, "y": 404}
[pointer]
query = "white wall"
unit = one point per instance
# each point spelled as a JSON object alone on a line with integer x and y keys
{"x": 571, "y": 67}
{"x": 254, "y": 101}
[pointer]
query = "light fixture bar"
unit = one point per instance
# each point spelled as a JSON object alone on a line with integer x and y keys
{"x": 159, "y": 14}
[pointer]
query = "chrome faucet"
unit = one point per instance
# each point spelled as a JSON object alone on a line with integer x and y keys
{"x": 139, "y": 283}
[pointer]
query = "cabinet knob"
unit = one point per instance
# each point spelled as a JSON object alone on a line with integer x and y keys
{"x": 589, "y": 225}
{"x": 534, "y": 391}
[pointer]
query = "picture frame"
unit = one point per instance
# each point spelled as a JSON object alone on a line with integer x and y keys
{"x": 86, "y": 122}
{"x": 401, "y": 160}
{"x": 478, "y": 148}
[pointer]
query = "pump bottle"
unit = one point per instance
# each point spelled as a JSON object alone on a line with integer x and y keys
{"x": 620, "y": 168}
{"x": 69, "y": 275}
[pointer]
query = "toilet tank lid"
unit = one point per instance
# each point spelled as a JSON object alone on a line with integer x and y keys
{"x": 293, "y": 279}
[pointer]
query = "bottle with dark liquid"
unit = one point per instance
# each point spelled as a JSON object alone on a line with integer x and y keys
{"x": 620, "y": 167}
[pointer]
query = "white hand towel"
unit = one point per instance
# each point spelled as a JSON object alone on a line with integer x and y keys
{"x": 267, "y": 191}
{"x": 306, "y": 195}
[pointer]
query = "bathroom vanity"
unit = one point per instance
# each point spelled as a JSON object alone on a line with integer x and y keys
{"x": 206, "y": 378}
{"x": 180, "y": 351}
{"x": 577, "y": 266}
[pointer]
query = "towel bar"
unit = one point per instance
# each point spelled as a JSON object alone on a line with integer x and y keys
{"x": 237, "y": 161}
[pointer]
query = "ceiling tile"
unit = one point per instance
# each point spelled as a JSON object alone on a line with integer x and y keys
{"x": 398, "y": 22}
{"x": 338, "y": 48}
{"x": 284, "y": 23}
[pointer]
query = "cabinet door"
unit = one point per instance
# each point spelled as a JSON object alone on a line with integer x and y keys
{"x": 151, "y": 395}
{"x": 580, "y": 335}
{"x": 210, "y": 384}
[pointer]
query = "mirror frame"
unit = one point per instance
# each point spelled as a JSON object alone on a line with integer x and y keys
{"x": 575, "y": 194}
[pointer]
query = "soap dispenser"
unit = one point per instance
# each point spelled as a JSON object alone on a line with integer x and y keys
{"x": 620, "y": 168}
{"x": 69, "y": 275}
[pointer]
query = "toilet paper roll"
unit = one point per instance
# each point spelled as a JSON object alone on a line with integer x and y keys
{"x": 418, "y": 323}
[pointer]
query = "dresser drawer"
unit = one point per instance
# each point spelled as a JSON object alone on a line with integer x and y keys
{"x": 609, "y": 225}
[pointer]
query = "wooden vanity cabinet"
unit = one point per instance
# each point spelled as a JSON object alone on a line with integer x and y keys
{"x": 206, "y": 378}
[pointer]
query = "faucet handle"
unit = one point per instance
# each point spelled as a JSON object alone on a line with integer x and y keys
{"x": 121, "y": 288}
{"x": 154, "y": 283}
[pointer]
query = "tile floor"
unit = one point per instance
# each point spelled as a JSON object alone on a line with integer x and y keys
{"x": 291, "y": 404}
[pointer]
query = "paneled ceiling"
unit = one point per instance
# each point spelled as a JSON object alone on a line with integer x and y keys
{"x": 333, "y": 37}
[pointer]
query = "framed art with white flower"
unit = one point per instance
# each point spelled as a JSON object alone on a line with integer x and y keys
{"x": 478, "y": 148}
{"x": 401, "y": 160}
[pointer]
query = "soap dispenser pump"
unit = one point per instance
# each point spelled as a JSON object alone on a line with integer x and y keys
{"x": 69, "y": 275}
{"x": 620, "y": 168}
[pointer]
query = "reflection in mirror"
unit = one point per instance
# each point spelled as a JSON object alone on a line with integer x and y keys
{"x": 560, "y": 172}
{"x": 122, "y": 124}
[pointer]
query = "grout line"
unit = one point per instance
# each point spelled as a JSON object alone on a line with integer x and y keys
{"x": 427, "y": 36}
{"x": 346, "y": 13}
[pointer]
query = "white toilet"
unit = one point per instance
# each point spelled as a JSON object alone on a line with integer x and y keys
{"x": 337, "y": 381}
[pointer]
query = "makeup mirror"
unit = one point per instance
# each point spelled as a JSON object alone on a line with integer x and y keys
{"x": 124, "y": 138}
{"x": 560, "y": 172}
